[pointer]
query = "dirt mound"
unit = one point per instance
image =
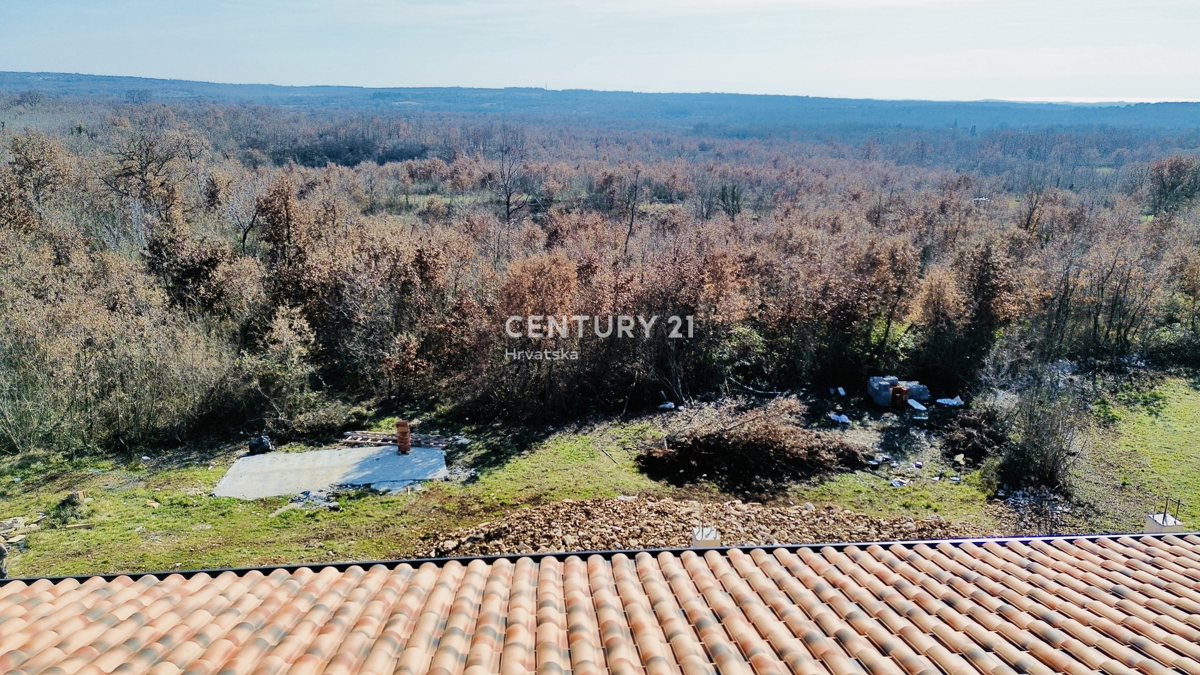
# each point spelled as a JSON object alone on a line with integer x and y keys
{"x": 638, "y": 523}
{"x": 759, "y": 452}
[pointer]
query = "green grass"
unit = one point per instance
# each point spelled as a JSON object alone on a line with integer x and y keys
{"x": 872, "y": 494}
{"x": 191, "y": 530}
{"x": 1163, "y": 428}
{"x": 570, "y": 466}
{"x": 1152, "y": 445}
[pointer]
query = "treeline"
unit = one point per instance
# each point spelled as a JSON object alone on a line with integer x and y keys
{"x": 165, "y": 270}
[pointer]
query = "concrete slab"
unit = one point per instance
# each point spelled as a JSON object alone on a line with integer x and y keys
{"x": 290, "y": 473}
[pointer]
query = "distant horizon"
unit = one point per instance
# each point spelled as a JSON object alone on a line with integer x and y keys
{"x": 1080, "y": 101}
{"x": 1080, "y": 51}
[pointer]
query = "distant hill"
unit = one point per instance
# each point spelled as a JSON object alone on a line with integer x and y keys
{"x": 740, "y": 110}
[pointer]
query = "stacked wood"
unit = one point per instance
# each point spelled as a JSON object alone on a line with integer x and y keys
{"x": 359, "y": 438}
{"x": 403, "y": 437}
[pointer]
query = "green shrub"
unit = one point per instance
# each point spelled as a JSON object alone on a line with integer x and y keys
{"x": 1047, "y": 424}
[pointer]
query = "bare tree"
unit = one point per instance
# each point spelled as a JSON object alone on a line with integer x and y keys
{"x": 632, "y": 196}
{"x": 507, "y": 179}
{"x": 730, "y": 198}
{"x": 240, "y": 205}
{"x": 151, "y": 162}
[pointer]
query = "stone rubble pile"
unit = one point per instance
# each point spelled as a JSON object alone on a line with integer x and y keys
{"x": 647, "y": 523}
{"x": 14, "y": 530}
{"x": 12, "y": 535}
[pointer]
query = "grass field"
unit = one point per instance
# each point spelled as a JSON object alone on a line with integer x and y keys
{"x": 1163, "y": 429}
{"x": 158, "y": 515}
{"x": 872, "y": 494}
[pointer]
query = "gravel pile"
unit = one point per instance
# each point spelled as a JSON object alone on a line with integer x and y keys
{"x": 640, "y": 523}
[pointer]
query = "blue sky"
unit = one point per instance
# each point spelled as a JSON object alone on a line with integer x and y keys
{"x": 1060, "y": 50}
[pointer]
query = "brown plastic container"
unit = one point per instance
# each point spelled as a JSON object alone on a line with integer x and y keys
{"x": 899, "y": 395}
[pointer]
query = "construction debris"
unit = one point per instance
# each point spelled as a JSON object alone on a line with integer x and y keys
{"x": 378, "y": 438}
{"x": 917, "y": 391}
{"x": 890, "y": 391}
{"x": 15, "y": 530}
{"x": 705, "y": 537}
{"x": 615, "y": 524}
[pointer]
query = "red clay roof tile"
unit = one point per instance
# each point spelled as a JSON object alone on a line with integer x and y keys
{"x": 1063, "y": 605}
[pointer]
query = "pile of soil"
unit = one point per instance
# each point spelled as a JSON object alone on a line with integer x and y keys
{"x": 759, "y": 452}
{"x": 626, "y": 523}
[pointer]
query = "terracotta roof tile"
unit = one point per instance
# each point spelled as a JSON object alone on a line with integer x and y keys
{"x": 1122, "y": 605}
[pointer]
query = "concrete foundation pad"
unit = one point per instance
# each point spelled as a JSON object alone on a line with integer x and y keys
{"x": 290, "y": 473}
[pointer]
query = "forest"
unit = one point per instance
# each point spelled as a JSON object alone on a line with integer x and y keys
{"x": 173, "y": 269}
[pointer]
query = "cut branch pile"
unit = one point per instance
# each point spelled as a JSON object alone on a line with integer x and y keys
{"x": 760, "y": 452}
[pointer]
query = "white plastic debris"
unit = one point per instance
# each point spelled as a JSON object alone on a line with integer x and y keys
{"x": 952, "y": 402}
{"x": 667, "y": 406}
{"x": 840, "y": 419}
{"x": 841, "y": 392}
{"x": 899, "y": 483}
{"x": 145, "y": 458}
{"x": 916, "y": 404}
